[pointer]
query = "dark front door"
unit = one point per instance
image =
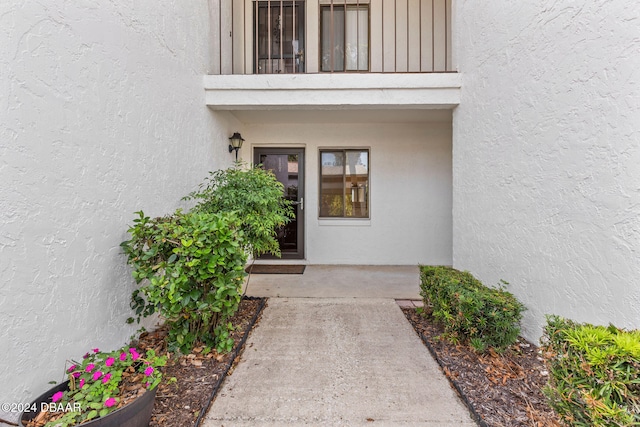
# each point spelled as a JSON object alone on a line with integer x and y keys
{"x": 288, "y": 166}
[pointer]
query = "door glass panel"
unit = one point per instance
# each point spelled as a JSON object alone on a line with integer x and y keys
{"x": 285, "y": 168}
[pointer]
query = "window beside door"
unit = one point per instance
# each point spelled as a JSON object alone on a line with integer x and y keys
{"x": 344, "y": 36}
{"x": 344, "y": 183}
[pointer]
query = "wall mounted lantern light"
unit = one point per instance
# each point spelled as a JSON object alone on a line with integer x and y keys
{"x": 236, "y": 141}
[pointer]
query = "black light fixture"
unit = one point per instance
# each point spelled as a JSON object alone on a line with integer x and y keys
{"x": 236, "y": 143}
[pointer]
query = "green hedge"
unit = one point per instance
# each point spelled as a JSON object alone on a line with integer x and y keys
{"x": 468, "y": 310}
{"x": 594, "y": 373}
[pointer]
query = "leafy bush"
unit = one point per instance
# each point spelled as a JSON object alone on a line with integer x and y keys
{"x": 470, "y": 311}
{"x": 594, "y": 373}
{"x": 190, "y": 266}
{"x": 255, "y": 195}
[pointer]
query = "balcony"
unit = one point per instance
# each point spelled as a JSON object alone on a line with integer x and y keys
{"x": 331, "y": 54}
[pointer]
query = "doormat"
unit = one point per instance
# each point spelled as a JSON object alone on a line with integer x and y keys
{"x": 276, "y": 269}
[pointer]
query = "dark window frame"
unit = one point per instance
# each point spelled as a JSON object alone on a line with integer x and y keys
{"x": 359, "y": 192}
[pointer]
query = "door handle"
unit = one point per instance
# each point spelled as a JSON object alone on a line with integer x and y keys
{"x": 300, "y": 203}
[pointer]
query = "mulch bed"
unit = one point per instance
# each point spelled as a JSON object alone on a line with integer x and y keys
{"x": 198, "y": 376}
{"x": 502, "y": 390}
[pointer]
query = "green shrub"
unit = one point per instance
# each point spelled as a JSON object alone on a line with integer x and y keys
{"x": 594, "y": 373}
{"x": 470, "y": 311}
{"x": 190, "y": 267}
{"x": 255, "y": 195}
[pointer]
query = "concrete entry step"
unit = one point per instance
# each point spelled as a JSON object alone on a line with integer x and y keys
{"x": 340, "y": 281}
{"x": 335, "y": 362}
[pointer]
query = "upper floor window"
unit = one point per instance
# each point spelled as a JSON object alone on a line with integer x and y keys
{"x": 279, "y": 36}
{"x": 344, "y": 34}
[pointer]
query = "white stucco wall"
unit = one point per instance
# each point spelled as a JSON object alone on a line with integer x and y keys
{"x": 410, "y": 191}
{"x": 102, "y": 113}
{"x": 546, "y": 155}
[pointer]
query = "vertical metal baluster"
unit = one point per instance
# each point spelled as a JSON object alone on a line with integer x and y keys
{"x": 256, "y": 30}
{"x": 446, "y": 32}
{"x": 293, "y": 36}
{"x": 407, "y": 23}
{"x": 281, "y": 23}
{"x": 344, "y": 38}
{"x": 382, "y": 20}
{"x": 269, "y": 64}
{"x": 420, "y": 35}
{"x": 331, "y": 39}
{"x": 357, "y": 35}
{"x": 433, "y": 36}
{"x": 395, "y": 38}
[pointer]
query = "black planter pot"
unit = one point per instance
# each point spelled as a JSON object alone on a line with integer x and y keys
{"x": 133, "y": 414}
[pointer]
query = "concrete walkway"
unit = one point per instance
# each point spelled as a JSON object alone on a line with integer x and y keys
{"x": 336, "y": 362}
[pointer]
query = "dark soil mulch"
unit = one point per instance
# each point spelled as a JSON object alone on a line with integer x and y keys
{"x": 503, "y": 390}
{"x": 181, "y": 403}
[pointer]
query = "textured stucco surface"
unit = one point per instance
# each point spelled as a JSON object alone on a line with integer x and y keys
{"x": 546, "y": 155}
{"x": 102, "y": 113}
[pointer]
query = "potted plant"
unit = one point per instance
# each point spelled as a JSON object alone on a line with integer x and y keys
{"x": 104, "y": 389}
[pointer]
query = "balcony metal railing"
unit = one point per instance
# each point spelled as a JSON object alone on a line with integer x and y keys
{"x": 316, "y": 36}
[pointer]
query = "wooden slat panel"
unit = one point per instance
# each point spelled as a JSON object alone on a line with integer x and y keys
{"x": 414, "y": 35}
{"x": 388, "y": 36}
{"x": 440, "y": 39}
{"x": 375, "y": 43}
{"x": 226, "y": 40}
{"x": 426, "y": 60}
{"x": 238, "y": 36}
{"x": 401, "y": 36}
{"x": 214, "y": 36}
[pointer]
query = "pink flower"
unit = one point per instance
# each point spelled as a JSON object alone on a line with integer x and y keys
{"x": 110, "y": 402}
{"x": 148, "y": 371}
{"x": 77, "y": 374}
{"x": 147, "y": 385}
{"x": 134, "y": 354}
{"x": 81, "y": 383}
{"x": 123, "y": 357}
{"x": 71, "y": 368}
{"x": 106, "y": 378}
{"x": 57, "y": 396}
{"x": 110, "y": 361}
{"x": 85, "y": 355}
{"x": 95, "y": 350}
{"x": 90, "y": 367}
{"x": 97, "y": 375}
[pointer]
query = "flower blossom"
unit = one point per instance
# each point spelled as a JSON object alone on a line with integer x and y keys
{"x": 123, "y": 356}
{"x": 148, "y": 371}
{"x": 90, "y": 367}
{"x": 57, "y": 396}
{"x": 97, "y": 375}
{"x": 134, "y": 354}
{"x": 71, "y": 368}
{"x": 110, "y": 402}
{"x": 77, "y": 374}
{"x": 81, "y": 383}
{"x": 96, "y": 350}
{"x": 110, "y": 361}
{"x": 106, "y": 378}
